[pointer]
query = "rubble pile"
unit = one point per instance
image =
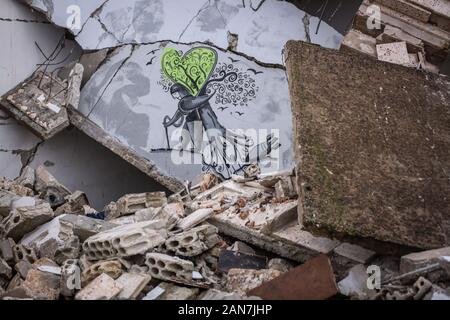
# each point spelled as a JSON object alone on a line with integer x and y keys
{"x": 152, "y": 247}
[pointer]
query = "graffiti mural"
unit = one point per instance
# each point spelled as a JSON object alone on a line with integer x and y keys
{"x": 194, "y": 80}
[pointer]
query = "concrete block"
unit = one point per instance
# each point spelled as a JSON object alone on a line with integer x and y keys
{"x": 70, "y": 277}
{"x": 392, "y": 34}
{"x": 241, "y": 281}
{"x": 192, "y": 242}
{"x": 102, "y": 288}
{"x": 421, "y": 286}
{"x": 194, "y": 218}
{"x": 361, "y": 42}
{"x": 127, "y": 240}
{"x": 169, "y": 291}
{"x": 416, "y": 260}
{"x": 25, "y": 219}
{"x": 132, "y": 284}
{"x": 172, "y": 213}
{"x": 23, "y": 202}
{"x": 112, "y": 268}
{"x": 75, "y": 204}
{"x": 84, "y": 227}
{"x": 165, "y": 267}
{"x": 131, "y": 203}
{"x": 22, "y": 252}
{"x": 359, "y": 186}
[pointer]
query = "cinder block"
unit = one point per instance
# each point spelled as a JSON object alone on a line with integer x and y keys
{"x": 85, "y": 227}
{"x": 7, "y": 249}
{"x": 6, "y": 198}
{"x": 132, "y": 284}
{"x": 131, "y": 203}
{"x": 49, "y": 188}
{"x": 192, "y": 242}
{"x": 25, "y": 219}
{"x": 70, "y": 277}
{"x": 126, "y": 240}
{"x": 195, "y": 218}
{"x": 112, "y": 268}
{"x": 165, "y": 267}
{"x": 22, "y": 252}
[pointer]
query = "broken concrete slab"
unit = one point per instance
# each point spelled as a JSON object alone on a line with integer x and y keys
{"x": 416, "y": 260}
{"x": 341, "y": 179}
{"x": 126, "y": 240}
{"x": 5, "y": 269}
{"x": 49, "y": 188}
{"x": 39, "y": 104}
{"x": 130, "y": 203}
{"x": 24, "y": 219}
{"x": 74, "y": 204}
{"x": 132, "y": 284}
{"x": 347, "y": 255}
{"x": 84, "y": 227}
{"x": 102, "y": 288}
{"x": 313, "y": 280}
{"x": 395, "y": 52}
{"x": 194, "y": 218}
{"x": 6, "y": 198}
{"x": 42, "y": 285}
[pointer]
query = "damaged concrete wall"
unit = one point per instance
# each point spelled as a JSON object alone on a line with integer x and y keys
{"x": 372, "y": 142}
{"x": 78, "y": 161}
{"x": 132, "y": 97}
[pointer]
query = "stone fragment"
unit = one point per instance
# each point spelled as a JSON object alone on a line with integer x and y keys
{"x": 165, "y": 267}
{"x": 416, "y": 260}
{"x": 84, "y": 227}
{"x": 70, "y": 278}
{"x": 112, "y": 268}
{"x": 241, "y": 281}
{"x": 102, "y": 288}
{"x": 22, "y": 267}
{"x": 192, "y": 242}
{"x": 22, "y": 252}
{"x": 194, "y": 218}
{"x": 214, "y": 294}
{"x": 68, "y": 250}
{"x": 42, "y": 285}
{"x": 351, "y": 185}
{"x": 131, "y": 203}
{"x": 7, "y": 249}
{"x": 172, "y": 213}
{"x": 23, "y": 220}
{"x": 27, "y": 177}
{"x": 238, "y": 260}
{"x": 280, "y": 264}
{"x": 49, "y": 188}
{"x": 133, "y": 284}
{"x": 313, "y": 280}
{"x": 5, "y": 269}
{"x": 127, "y": 240}
{"x": 208, "y": 181}
{"x": 169, "y": 291}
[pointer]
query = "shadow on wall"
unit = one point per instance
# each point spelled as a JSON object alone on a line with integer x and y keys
{"x": 82, "y": 164}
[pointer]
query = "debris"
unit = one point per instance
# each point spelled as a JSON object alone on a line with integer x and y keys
{"x": 238, "y": 260}
{"x": 280, "y": 264}
{"x": 49, "y": 188}
{"x": 112, "y": 268}
{"x": 355, "y": 284}
{"x": 313, "y": 280}
{"x": 239, "y": 246}
{"x": 194, "y": 218}
{"x": 102, "y": 288}
{"x": 42, "y": 285}
{"x": 165, "y": 267}
{"x": 413, "y": 261}
{"x": 132, "y": 284}
{"x": 24, "y": 219}
{"x": 242, "y": 281}
{"x": 169, "y": 291}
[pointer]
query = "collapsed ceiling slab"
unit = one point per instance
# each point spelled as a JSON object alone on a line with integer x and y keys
{"x": 376, "y": 165}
